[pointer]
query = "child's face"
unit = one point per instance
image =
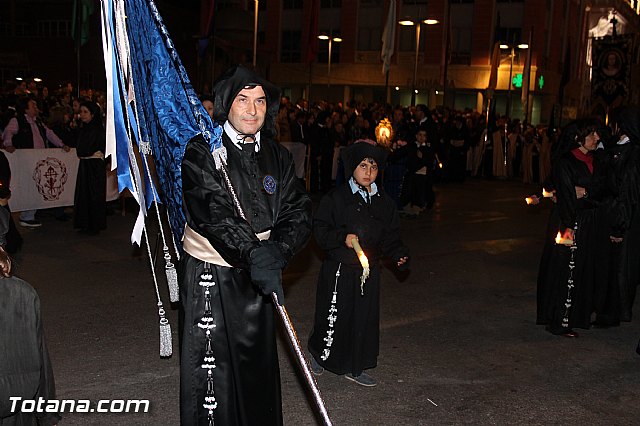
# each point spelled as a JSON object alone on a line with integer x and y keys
{"x": 366, "y": 173}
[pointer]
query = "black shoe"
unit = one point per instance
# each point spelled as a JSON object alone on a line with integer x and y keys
{"x": 363, "y": 379}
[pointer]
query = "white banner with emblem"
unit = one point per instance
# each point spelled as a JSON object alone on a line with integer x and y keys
{"x": 44, "y": 178}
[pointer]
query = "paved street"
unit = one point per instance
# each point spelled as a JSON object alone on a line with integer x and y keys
{"x": 459, "y": 344}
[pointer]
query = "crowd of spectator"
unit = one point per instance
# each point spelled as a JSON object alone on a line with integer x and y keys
{"x": 428, "y": 146}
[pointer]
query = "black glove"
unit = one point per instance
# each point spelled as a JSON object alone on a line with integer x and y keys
{"x": 267, "y": 255}
{"x": 268, "y": 281}
{"x": 266, "y": 263}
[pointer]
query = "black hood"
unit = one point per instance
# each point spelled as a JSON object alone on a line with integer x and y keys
{"x": 231, "y": 82}
{"x": 358, "y": 151}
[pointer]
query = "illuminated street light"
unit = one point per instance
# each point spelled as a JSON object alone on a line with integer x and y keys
{"x": 331, "y": 40}
{"x": 417, "y": 23}
{"x": 521, "y": 46}
{"x": 256, "y": 6}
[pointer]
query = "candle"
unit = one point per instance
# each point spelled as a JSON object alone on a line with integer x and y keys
{"x": 546, "y": 194}
{"x": 363, "y": 261}
{"x": 529, "y": 200}
{"x": 561, "y": 240}
{"x": 361, "y": 256}
{"x": 440, "y": 165}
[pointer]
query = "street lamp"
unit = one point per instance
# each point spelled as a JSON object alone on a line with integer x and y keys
{"x": 256, "y": 6}
{"x": 521, "y": 46}
{"x": 331, "y": 40}
{"x": 408, "y": 22}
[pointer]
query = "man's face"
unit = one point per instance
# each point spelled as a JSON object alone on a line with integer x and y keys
{"x": 32, "y": 109}
{"x": 248, "y": 110}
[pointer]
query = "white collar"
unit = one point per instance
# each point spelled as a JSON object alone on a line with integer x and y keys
{"x": 236, "y": 138}
{"x": 363, "y": 193}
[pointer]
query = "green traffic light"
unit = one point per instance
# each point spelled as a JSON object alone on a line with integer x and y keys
{"x": 517, "y": 80}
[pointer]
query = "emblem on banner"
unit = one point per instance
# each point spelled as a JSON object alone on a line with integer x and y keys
{"x": 50, "y": 176}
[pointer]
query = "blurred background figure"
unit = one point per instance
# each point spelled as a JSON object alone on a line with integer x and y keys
{"x": 25, "y": 368}
{"x": 90, "y": 197}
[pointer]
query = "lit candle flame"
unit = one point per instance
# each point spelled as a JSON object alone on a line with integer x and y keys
{"x": 561, "y": 240}
{"x": 546, "y": 194}
{"x": 528, "y": 200}
{"x": 440, "y": 165}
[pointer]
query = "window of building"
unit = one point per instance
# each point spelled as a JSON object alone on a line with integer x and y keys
{"x": 290, "y": 47}
{"x": 53, "y": 28}
{"x": 509, "y": 35}
{"x": 371, "y": 3}
{"x": 291, "y": 4}
{"x": 369, "y": 38}
{"x": 22, "y": 29}
{"x": 327, "y": 4}
{"x": 460, "y": 45}
{"x": 408, "y": 38}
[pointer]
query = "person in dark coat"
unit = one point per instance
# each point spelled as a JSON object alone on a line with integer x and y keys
{"x": 565, "y": 296}
{"x": 90, "y": 200}
{"x": 25, "y": 368}
{"x": 13, "y": 237}
{"x": 615, "y": 302}
{"x": 235, "y": 249}
{"x": 345, "y": 333}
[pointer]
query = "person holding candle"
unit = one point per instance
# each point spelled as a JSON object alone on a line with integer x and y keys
{"x": 358, "y": 215}
{"x": 566, "y": 282}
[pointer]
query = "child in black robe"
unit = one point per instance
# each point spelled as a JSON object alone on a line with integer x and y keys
{"x": 347, "y": 342}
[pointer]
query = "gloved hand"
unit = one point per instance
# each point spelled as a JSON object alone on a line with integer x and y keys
{"x": 266, "y": 263}
{"x": 267, "y": 255}
{"x": 268, "y": 281}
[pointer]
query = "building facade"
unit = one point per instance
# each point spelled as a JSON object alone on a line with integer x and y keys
{"x": 452, "y": 65}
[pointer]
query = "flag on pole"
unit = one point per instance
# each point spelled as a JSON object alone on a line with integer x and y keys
{"x": 495, "y": 63}
{"x": 80, "y": 21}
{"x": 566, "y": 71}
{"x": 389, "y": 38}
{"x": 312, "y": 40}
{"x": 526, "y": 76}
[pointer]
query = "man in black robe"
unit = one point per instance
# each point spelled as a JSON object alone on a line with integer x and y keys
{"x": 237, "y": 240}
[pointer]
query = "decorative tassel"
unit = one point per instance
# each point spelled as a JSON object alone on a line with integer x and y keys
{"x": 172, "y": 277}
{"x": 570, "y": 284}
{"x": 333, "y": 316}
{"x": 166, "y": 346}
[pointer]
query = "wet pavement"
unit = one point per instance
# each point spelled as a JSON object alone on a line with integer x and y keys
{"x": 458, "y": 341}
